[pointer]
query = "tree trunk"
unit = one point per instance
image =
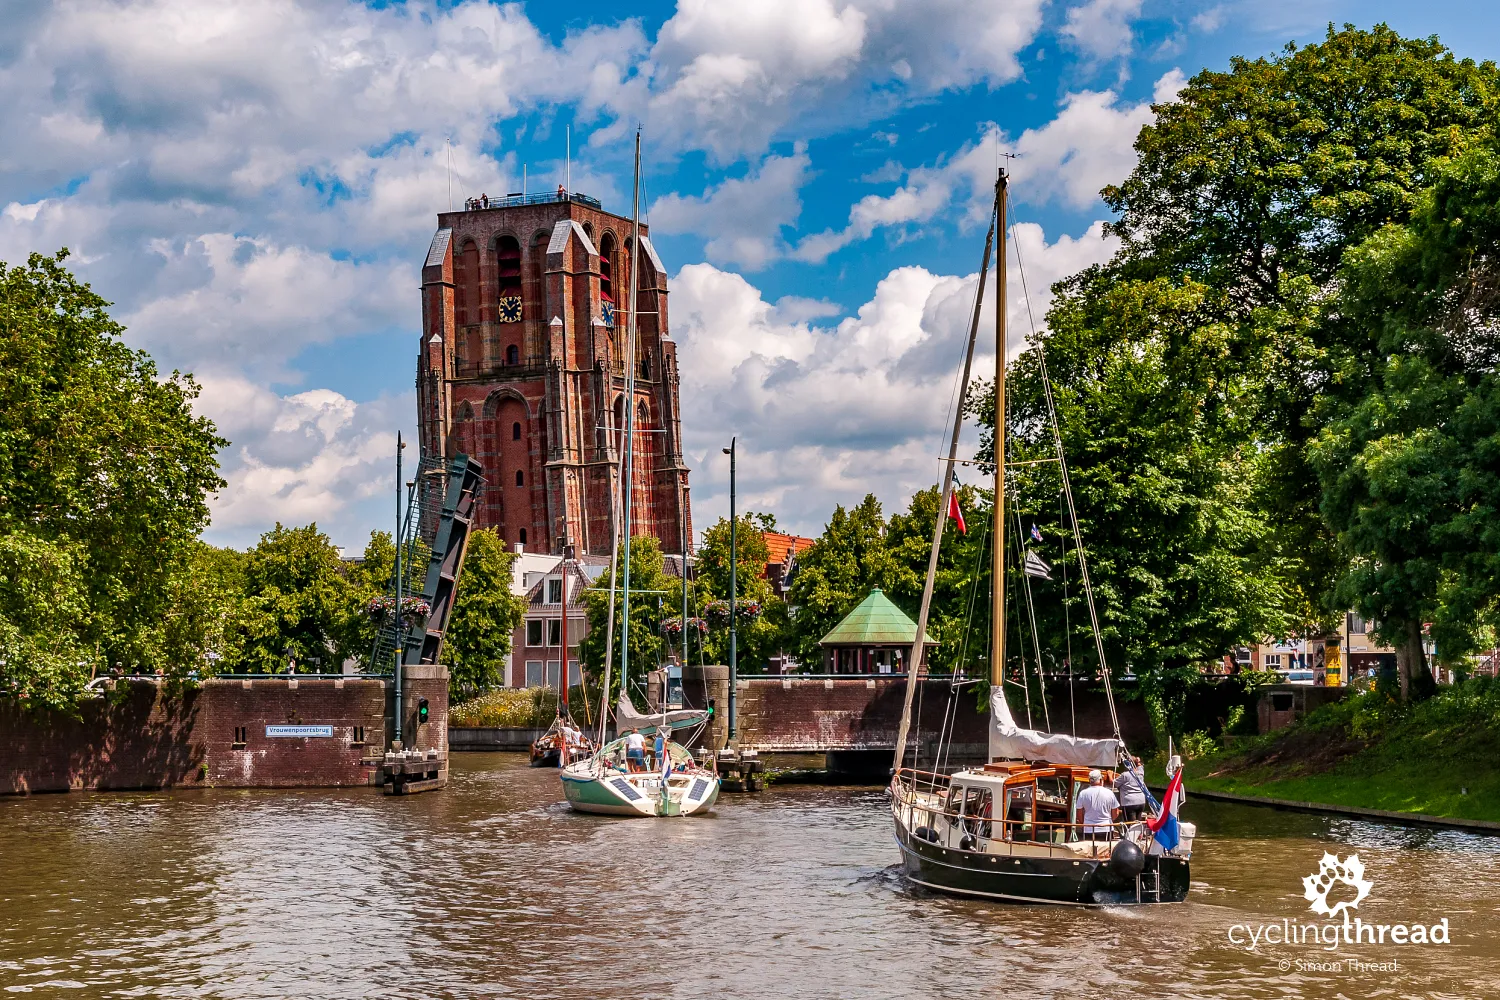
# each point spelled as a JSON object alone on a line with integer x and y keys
{"x": 1411, "y": 662}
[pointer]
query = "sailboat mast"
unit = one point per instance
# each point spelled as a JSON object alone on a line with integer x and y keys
{"x": 627, "y": 488}
{"x": 997, "y": 609}
{"x": 914, "y": 658}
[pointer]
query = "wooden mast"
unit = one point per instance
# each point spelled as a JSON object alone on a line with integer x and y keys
{"x": 914, "y": 664}
{"x": 997, "y": 568}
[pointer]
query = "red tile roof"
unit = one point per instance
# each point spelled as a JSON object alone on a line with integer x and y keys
{"x": 778, "y": 545}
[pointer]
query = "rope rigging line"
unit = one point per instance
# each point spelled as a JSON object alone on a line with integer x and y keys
{"x": 1062, "y": 562}
{"x": 1062, "y": 464}
{"x": 1036, "y": 644}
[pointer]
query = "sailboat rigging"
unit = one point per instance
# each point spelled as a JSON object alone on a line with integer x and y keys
{"x": 1014, "y": 828}
{"x": 617, "y": 779}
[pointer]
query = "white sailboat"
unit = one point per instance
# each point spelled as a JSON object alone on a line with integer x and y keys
{"x": 608, "y": 782}
{"x": 1010, "y": 829}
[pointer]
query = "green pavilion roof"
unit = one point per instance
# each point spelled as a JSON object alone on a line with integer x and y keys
{"x": 875, "y": 622}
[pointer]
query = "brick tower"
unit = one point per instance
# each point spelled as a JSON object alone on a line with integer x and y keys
{"x": 524, "y": 321}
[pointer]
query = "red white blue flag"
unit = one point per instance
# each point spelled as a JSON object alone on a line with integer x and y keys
{"x": 1164, "y": 826}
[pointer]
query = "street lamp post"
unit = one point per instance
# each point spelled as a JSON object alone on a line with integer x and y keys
{"x": 733, "y": 588}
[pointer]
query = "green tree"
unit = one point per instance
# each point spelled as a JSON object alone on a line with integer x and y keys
{"x": 959, "y": 618}
{"x": 654, "y": 596}
{"x": 1407, "y": 461}
{"x": 369, "y": 579}
{"x": 105, "y": 475}
{"x": 759, "y": 636}
{"x": 1254, "y": 182}
{"x": 296, "y": 604}
{"x": 485, "y": 616}
{"x": 835, "y": 573}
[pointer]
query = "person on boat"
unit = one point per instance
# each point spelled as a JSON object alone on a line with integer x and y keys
{"x": 658, "y": 747}
{"x": 635, "y": 750}
{"x": 1097, "y": 808}
{"x": 1131, "y": 791}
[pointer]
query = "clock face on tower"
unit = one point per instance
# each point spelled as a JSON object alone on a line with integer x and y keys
{"x": 510, "y": 309}
{"x": 607, "y": 313}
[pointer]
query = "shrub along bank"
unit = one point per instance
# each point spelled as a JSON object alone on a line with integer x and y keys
{"x": 1372, "y": 751}
{"x": 515, "y": 708}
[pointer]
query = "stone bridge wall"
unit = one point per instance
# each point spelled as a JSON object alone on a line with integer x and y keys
{"x": 144, "y": 737}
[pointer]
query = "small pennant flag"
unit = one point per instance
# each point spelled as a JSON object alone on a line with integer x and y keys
{"x": 1034, "y": 566}
{"x": 956, "y": 514}
{"x": 1036, "y": 536}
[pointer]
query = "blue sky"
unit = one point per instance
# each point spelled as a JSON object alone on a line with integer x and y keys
{"x": 254, "y": 186}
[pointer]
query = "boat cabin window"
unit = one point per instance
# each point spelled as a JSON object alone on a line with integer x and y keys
{"x": 976, "y": 815}
{"x": 1018, "y": 820}
{"x": 1053, "y": 797}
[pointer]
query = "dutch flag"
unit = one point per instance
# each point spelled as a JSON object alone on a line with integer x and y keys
{"x": 1164, "y": 826}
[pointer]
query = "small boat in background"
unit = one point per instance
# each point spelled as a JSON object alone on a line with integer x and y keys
{"x": 546, "y": 749}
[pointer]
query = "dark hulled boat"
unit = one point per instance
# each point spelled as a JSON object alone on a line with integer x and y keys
{"x": 1013, "y": 829}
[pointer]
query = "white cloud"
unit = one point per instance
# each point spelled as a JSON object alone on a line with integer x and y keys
{"x": 742, "y": 216}
{"x": 827, "y": 413}
{"x": 312, "y": 456}
{"x": 1210, "y": 20}
{"x": 729, "y": 78}
{"x": 1089, "y": 144}
{"x": 1101, "y": 28}
{"x": 242, "y": 303}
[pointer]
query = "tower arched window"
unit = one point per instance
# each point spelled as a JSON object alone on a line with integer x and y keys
{"x": 520, "y": 478}
{"x": 607, "y": 268}
{"x": 512, "y": 355}
{"x": 515, "y": 431}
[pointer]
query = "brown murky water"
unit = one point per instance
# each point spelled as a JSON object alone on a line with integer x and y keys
{"x": 494, "y": 889}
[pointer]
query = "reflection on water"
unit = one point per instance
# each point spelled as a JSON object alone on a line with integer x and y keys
{"x": 493, "y": 888}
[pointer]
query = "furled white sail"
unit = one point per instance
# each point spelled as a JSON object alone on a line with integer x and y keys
{"x": 1009, "y": 741}
{"x": 627, "y": 718}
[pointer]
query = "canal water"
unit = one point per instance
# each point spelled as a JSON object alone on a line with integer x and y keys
{"x": 492, "y": 888}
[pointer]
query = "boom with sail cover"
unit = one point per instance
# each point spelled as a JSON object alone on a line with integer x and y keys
{"x": 1009, "y": 741}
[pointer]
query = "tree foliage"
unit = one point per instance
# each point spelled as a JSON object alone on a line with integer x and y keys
{"x": 485, "y": 616}
{"x": 105, "y": 475}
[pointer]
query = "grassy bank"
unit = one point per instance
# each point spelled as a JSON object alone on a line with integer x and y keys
{"x": 1371, "y": 751}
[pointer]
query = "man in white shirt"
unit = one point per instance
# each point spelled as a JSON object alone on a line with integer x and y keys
{"x": 1097, "y": 808}
{"x": 635, "y": 750}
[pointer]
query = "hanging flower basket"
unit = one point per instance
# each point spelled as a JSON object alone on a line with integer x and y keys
{"x": 718, "y": 612}
{"x": 673, "y": 626}
{"x": 412, "y": 608}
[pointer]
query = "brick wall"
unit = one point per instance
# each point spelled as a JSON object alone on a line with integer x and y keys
{"x": 143, "y": 737}
{"x": 789, "y": 713}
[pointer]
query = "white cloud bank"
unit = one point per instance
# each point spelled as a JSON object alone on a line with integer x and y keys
{"x": 827, "y": 413}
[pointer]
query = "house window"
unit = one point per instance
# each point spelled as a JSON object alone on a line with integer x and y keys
{"x": 554, "y": 631}
{"x": 523, "y": 536}
{"x": 554, "y": 591}
{"x": 520, "y": 478}
{"x": 552, "y": 669}
{"x": 241, "y": 735}
{"x": 1242, "y": 655}
{"x": 534, "y": 632}
{"x": 1272, "y": 661}
{"x": 359, "y": 735}
{"x": 515, "y": 428}
{"x": 534, "y": 673}
{"x": 1357, "y": 625}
